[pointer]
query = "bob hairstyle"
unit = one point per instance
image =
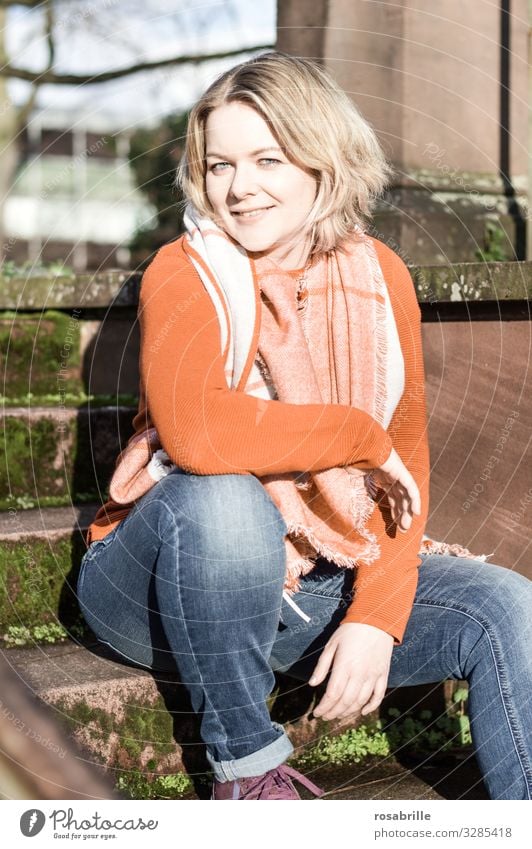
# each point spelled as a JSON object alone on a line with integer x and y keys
{"x": 316, "y": 125}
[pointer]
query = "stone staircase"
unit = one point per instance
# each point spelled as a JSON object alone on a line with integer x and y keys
{"x": 70, "y": 380}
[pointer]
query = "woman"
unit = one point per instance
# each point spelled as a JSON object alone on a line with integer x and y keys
{"x": 262, "y": 516}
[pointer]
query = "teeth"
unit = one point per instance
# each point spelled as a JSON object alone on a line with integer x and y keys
{"x": 252, "y": 214}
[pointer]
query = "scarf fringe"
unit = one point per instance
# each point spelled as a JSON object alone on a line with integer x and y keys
{"x": 431, "y": 546}
{"x": 370, "y": 552}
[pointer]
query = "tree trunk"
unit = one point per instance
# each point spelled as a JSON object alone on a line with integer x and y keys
{"x": 8, "y": 145}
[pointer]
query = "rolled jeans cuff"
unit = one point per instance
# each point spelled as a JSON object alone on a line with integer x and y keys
{"x": 272, "y": 755}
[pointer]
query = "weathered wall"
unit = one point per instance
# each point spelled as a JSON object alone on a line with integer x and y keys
{"x": 432, "y": 81}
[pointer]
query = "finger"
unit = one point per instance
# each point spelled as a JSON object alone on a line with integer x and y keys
{"x": 405, "y": 520}
{"x": 352, "y": 700}
{"x": 323, "y": 665}
{"x": 344, "y": 691}
{"x": 413, "y": 493}
{"x": 333, "y": 693}
{"x": 392, "y": 503}
{"x": 405, "y": 509}
{"x": 377, "y": 697}
{"x": 326, "y": 703}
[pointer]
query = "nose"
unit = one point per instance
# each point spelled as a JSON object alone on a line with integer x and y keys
{"x": 243, "y": 183}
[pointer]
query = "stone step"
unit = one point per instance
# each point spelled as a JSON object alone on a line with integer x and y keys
{"x": 130, "y": 718}
{"x": 127, "y": 720}
{"x": 40, "y": 553}
{"x": 51, "y": 351}
{"x": 60, "y": 453}
{"x": 52, "y": 523}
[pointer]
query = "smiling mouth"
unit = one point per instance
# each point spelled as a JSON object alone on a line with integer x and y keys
{"x": 252, "y": 213}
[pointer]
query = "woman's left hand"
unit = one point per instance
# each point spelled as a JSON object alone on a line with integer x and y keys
{"x": 360, "y": 656}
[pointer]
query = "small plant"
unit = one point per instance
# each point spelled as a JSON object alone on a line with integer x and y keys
{"x": 139, "y": 786}
{"x": 495, "y": 244}
{"x": 23, "y": 502}
{"x": 459, "y": 704}
{"x": 20, "y": 635}
{"x": 28, "y": 502}
{"x": 416, "y": 734}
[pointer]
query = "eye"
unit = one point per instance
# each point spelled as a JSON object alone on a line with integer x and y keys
{"x": 267, "y": 162}
{"x": 218, "y": 167}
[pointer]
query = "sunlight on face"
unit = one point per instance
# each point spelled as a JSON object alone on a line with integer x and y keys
{"x": 259, "y": 197}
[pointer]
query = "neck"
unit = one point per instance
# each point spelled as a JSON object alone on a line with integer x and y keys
{"x": 288, "y": 257}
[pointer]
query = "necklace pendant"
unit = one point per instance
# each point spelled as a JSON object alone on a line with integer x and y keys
{"x": 301, "y": 292}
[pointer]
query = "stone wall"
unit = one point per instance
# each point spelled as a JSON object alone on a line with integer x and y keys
{"x": 446, "y": 89}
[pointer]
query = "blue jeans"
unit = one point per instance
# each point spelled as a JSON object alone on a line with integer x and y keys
{"x": 198, "y": 565}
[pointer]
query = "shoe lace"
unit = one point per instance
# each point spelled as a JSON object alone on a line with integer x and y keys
{"x": 275, "y": 784}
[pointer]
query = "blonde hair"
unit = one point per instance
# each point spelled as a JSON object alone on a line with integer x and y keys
{"x": 318, "y": 127}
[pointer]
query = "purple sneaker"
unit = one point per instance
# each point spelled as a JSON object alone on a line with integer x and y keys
{"x": 275, "y": 784}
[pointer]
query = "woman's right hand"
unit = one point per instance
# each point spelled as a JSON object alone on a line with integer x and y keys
{"x": 400, "y": 489}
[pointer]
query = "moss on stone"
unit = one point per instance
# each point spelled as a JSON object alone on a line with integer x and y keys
{"x": 137, "y": 785}
{"x": 143, "y": 727}
{"x": 71, "y": 399}
{"x": 46, "y": 454}
{"x": 37, "y": 583}
{"x": 39, "y": 353}
{"x": 28, "y": 502}
{"x": 29, "y": 456}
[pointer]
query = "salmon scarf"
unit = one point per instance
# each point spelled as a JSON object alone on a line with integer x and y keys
{"x": 329, "y": 337}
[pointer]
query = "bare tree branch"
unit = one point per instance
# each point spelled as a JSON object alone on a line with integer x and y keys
{"x": 24, "y": 111}
{"x": 49, "y": 26}
{"x": 32, "y": 4}
{"x": 48, "y": 76}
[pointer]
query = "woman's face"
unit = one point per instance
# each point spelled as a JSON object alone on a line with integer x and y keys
{"x": 259, "y": 197}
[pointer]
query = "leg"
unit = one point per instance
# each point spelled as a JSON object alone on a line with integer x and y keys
{"x": 198, "y": 565}
{"x": 324, "y": 595}
{"x": 471, "y": 620}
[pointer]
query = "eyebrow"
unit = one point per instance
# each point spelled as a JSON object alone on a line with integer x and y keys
{"x": 253, "y": 152}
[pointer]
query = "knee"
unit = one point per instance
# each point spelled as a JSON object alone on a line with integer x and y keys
{"x": 231, "y": 516}
{"x": 507, "y": 600}
{"x": 499, "y": 611}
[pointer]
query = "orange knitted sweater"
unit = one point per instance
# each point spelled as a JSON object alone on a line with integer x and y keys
{"x": 208, "y": 429}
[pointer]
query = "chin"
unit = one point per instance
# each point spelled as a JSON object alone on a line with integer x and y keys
{"x": 254, "y": 246}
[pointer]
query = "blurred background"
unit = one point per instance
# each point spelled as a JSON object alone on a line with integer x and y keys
{"x": 94, "y": 94}
{"x": 93, "y": 97}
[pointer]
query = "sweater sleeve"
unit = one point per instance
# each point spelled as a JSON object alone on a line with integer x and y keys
{"x": 207, "y": 428}
{"x": 385, "y": 589}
